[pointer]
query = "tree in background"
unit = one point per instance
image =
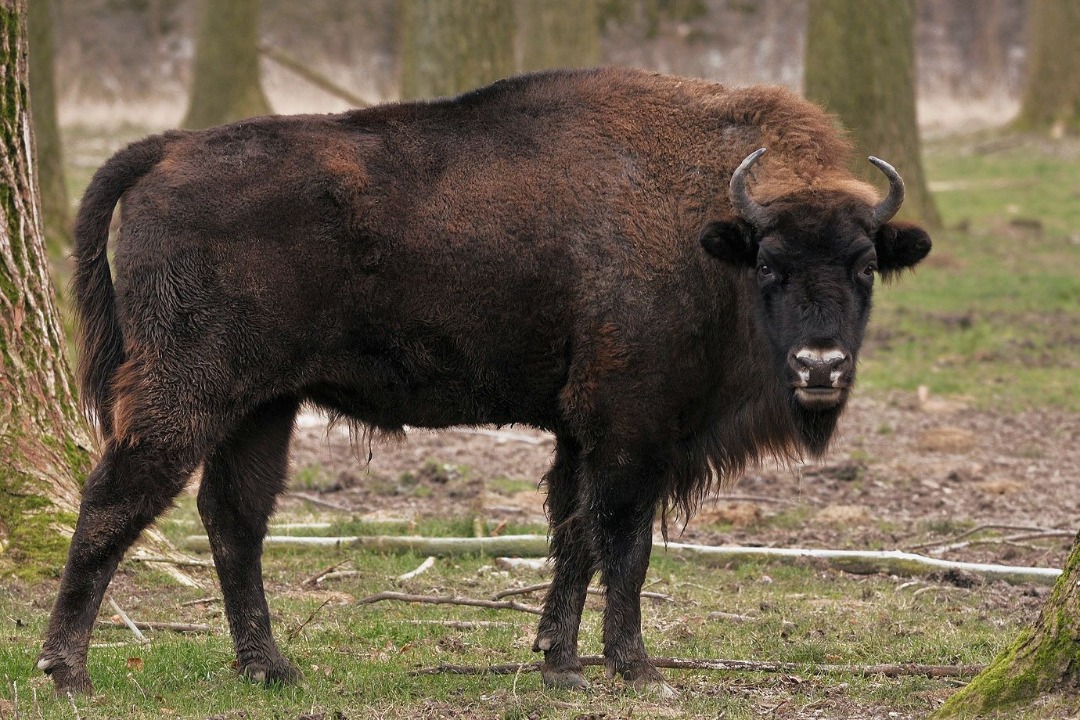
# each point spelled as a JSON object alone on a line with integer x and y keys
{"x": 1051, "y": 99}
{"x": 557, "y": 34}
{"x": 55, "y": 209}
{"x": 860, "y": 65}
{"x": 448, "y": 46}
{"x": 44, "y": 440}
{"x": 226, "y": 84}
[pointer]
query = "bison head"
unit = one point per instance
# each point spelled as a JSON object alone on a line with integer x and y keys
{"x": 813, "y": 255}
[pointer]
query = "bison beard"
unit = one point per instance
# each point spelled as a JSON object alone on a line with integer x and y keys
{"x": 578, "y": 251}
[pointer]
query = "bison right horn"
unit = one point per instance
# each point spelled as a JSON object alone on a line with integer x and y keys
{"x": 745, "y": 206}
{"x": 888, "y": 207}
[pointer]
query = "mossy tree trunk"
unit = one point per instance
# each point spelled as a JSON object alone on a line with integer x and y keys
{"x": 449, "y": 46}
{"x": 1052, "y": 95}
{"x": 557, "y": 34}
{"x": 55, "y": 210}
{"x": 1042, "y": 660}
{"x": 860, "y": 65}
{"x": 226, "y": 85}
{"x": 43, "y": 438}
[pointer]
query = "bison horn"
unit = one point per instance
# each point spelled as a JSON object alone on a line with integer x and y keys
{"x": 745, "y": 206}
{"x": 888, "y": 207}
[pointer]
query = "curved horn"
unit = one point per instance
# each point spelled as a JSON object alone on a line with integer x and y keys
{"x": 888, "y": 207}
{"x": 745, "y": 206}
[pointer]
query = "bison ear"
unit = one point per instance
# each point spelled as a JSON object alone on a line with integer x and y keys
{"x": 900, "y": 246}
{"x": 731, "y": 241}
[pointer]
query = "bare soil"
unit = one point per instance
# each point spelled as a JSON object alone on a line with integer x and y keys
{"x": 904, "y": 472}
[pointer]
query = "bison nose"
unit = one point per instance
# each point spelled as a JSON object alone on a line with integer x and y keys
{"x": 819, "y": 368}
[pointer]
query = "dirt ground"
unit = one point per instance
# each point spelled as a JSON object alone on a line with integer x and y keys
{"x": 904, "y": 471}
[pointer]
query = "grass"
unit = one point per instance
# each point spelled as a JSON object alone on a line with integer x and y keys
{"x": 994, "y": 313}
{"x": 357, "y": 658}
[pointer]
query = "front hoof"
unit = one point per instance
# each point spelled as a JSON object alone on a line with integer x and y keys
{"x": 563, "y": 679}
{"x": 67, "y": 678}
{"x": 276, "y": 671}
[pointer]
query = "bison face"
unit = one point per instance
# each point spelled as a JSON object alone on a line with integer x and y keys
{"x": 813, "y": 257}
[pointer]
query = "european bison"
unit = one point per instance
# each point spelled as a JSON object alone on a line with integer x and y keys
{"x": 577, "y": 251}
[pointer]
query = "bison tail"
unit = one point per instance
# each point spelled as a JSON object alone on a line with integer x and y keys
{"x": 100, "y": 341}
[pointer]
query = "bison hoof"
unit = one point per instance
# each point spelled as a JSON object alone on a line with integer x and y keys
{"x": 563, "y": 679}
{"x": 276, "y": 671}
{"x": 67, "y": 679}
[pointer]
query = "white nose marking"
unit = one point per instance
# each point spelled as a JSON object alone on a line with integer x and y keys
{"x": 818, "y": 357}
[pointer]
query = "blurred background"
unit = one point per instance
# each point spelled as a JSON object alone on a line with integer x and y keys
{"x": 134, "y": 60}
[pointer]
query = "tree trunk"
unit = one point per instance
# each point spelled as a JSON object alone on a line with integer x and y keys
{"x": 557, "y": 34}
{"x": 449, "y": 46}
{"x": 860, "y": 64}
{"x": 55, "y": 210}
{"x": 44, "y": 440}
{"x": 1040, "y": 661}
{"x": 1052, "y": 97}
{"x": 226, "y": 84}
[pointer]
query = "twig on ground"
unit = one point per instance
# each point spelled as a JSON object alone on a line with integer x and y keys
{"x": 424, "y": 567}
{"x": 733, "y": 617}
{"x": 974, "y": 531}
{"x": 74, "y": 707}
{"x": 169, "y": 561}
{"x": 316, "y": 500}
{"x": 201, "y": 601}
{"x": 442, "y": 600}
{"x": 127, "y": 621}
{"x": 321, "y": 575}
{"x": 592, "y": 591}
{"x": 887, "y": 670}
{"x": 337, "y": 575}
{"x": 462, "y": 624}
{"x": 295, "y": 633}
{"x": 174, "y": 627}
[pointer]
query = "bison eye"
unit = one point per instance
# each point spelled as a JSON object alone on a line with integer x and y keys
{"x": 764, "y": 272}
{"x": 869, "y": 270}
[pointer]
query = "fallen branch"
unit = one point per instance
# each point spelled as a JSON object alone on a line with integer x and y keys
{"x": 463, "y": 624}
{"x": 860, "y": 562}
{"x": 316, "y": 500}
{"x": 730, "y": 617}
{"x": 424, "y": 567}
{"x": 442, "y": 600}
{"x": 127, "y": 621}
{"x": 592, "y": 591}
{"x": 315, "y": 78}
{"x": 974, "y": 531}
{"x": 521, "y": 545}
{"x": 174, "y": 627}
{"x": 886, "y": 670}
{"x": 321, "y": 575}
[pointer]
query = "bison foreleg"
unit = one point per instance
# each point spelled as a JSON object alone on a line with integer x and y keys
{"x": 624, "y": 495}
{"x": 241, "y": 480}
{"x": 130, "y": 486}
{"x": 557, "y": 635}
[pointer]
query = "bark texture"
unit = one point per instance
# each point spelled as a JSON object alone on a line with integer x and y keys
{"x": 44, "y": 440}
{"x": 1052, "y": 95}
{"x": 557, "y": 34}
{"x": 55, "y": 209}
{"x": 860, "y": 65}
{"x": 449, "y": 46}
{"x": 226, "y": 84}
{"x": 1042, "y": 660}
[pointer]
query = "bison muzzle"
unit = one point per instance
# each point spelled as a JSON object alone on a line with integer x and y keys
{"x": 608, "y": 255}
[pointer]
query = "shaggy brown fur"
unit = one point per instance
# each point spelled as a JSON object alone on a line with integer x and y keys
{"x": 557, "y": 249}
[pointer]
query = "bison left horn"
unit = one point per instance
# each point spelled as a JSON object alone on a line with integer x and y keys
{"x": 745, "y": 206}
{"x": 888, "y": 207}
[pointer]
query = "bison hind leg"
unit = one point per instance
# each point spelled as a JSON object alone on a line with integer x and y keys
{"x": 242, "y": 478}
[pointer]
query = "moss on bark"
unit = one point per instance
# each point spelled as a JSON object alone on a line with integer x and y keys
{"x": 1042, "y": 660}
